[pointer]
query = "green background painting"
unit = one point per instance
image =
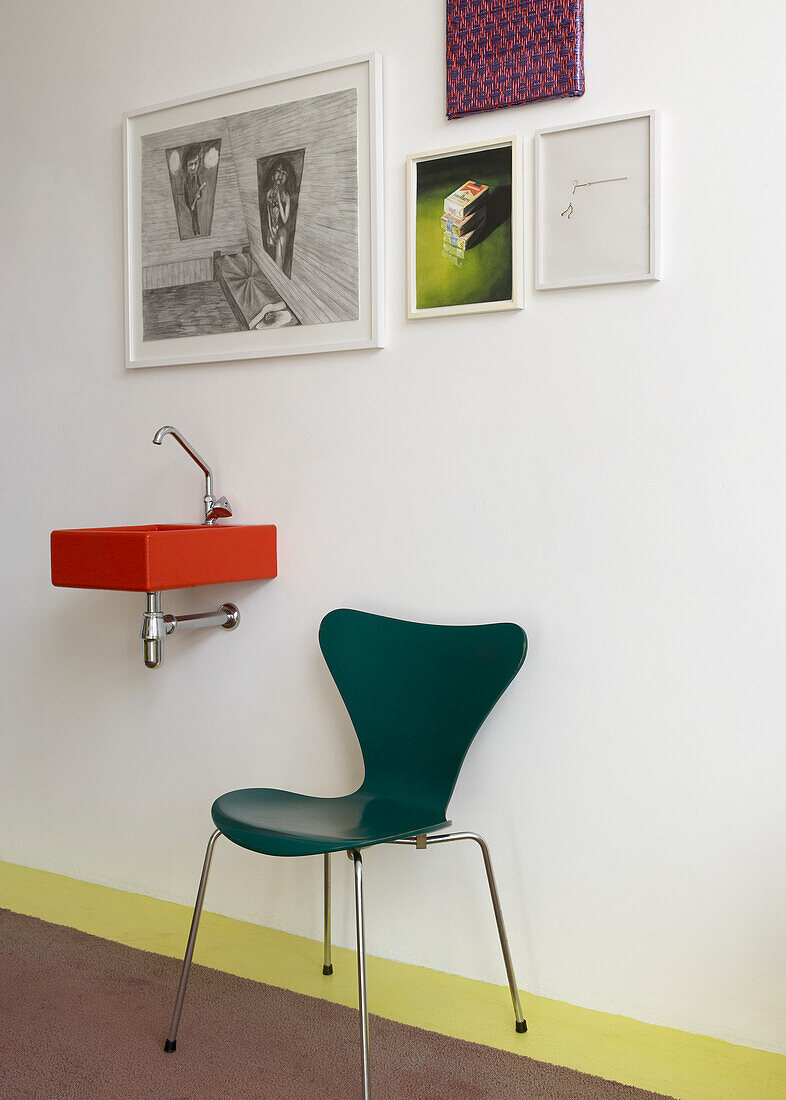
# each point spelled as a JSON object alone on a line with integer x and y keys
{"x": 486, "y": 274}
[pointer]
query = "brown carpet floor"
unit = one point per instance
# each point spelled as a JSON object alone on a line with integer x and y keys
{"x": 85, "y": 1018}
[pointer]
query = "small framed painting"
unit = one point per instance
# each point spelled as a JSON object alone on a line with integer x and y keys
{"x": 597, "y": 190}
{"x": 502, "y": 52}
{"x": 253, "y": 219}
{"x": 464, "y": 229}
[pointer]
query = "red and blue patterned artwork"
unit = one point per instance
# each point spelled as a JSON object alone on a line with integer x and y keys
{"x": 503, "y": 52}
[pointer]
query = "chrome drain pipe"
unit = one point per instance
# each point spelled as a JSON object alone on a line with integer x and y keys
{"x": 156, "y": 625}
{"x": 153, "y": 631}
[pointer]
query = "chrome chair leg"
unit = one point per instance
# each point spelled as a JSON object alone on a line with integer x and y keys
{"x": 362, "y": 990}
{"x": 442, "y": 838}
{"x": 171, "y": 1043}
{"x": 327, "y": 964}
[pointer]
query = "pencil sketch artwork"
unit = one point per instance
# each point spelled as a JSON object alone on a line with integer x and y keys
{"x": 193, "y": 173}
{"x": 278, "y": 178}
{"x": 597, "y": 202}
{"x": 570, "y": 209}
{"x": 250, "y": 221}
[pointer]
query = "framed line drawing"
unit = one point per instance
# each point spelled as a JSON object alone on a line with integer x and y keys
{"x": 597, "y": 201}
{"x": 253, "y": 219}
{"x": 464, "y": 229}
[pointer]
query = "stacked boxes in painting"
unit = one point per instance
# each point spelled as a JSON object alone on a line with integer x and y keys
{"x": 463, "y": 220}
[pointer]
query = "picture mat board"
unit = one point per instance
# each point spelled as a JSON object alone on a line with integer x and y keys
{"x": 362, "y": 73}
{"x": 414, "y": 161}
{"x": 612, "y": 235}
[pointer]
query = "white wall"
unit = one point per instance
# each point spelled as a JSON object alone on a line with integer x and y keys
{"x": 605, "y": 468}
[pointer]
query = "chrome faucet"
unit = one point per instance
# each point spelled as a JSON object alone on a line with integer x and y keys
{"x": 214, "y": 509}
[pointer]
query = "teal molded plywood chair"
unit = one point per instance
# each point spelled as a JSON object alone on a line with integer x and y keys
{"x": 417, "y": 695}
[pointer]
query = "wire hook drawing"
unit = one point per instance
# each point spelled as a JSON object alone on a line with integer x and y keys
{"x": 569, "y": 209}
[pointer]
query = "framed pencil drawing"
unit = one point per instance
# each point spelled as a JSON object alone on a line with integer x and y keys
{"x": 597, "y": 202}
{"x": 464, "y": 229}
{"x": 253, "y": 219}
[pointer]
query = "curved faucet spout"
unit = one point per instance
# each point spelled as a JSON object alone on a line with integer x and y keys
{"x": 158, "y": 439}
{"x": 214, "y": 509}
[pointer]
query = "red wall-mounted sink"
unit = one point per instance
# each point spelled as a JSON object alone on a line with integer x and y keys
{"x": 161, "y": 556}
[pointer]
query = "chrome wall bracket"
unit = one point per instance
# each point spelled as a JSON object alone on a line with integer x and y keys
{"x": 156, "y": 625}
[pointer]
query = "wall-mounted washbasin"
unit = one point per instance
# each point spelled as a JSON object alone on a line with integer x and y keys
{"x": 161, "y": 556}
{"x": 157, "y": 557}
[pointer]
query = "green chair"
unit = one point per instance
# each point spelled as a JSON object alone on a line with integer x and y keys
{"x": 417, "y": 695}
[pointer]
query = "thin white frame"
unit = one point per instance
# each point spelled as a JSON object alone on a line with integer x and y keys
{"x": 653, "y": 274}
{"x": 516, "y": 300}
{"x": 372, "y": 224}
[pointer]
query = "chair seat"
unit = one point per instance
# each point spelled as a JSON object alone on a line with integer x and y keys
{"x": 282, "y": 823}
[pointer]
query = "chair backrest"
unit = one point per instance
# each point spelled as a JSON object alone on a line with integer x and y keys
{"x": 417, "y": 695}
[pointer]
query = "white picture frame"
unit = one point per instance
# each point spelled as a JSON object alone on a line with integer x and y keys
{"x": 290, "y": 204}
{"x": 467, "y": 154}
{"x": 597, "y": 202}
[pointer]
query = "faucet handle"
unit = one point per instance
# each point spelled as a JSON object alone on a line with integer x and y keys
{"x": 219, "y": 509}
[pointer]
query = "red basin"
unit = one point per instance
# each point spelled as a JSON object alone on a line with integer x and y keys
{"x": 161, "y": 556}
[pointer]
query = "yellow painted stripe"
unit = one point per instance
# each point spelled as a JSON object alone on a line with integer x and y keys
{"x": 691, "y": 1067}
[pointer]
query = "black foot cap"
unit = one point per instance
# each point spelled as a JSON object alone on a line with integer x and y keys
{"x": 327, "y": 969}
{"x": 521, "y": 1026}
{"x": 170, "y": 1046}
